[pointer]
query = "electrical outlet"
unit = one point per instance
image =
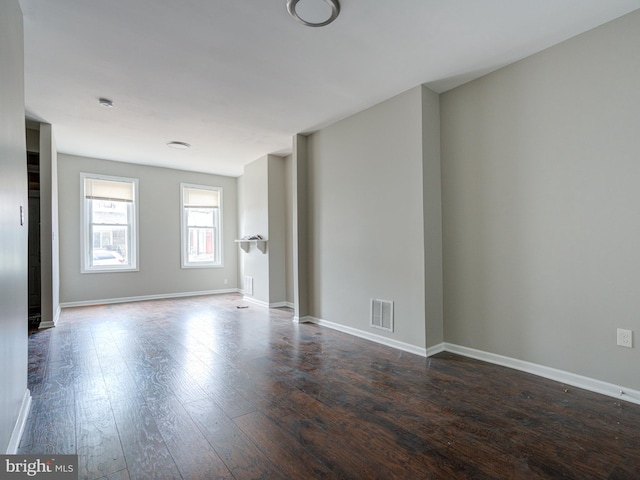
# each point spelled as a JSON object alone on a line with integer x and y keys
{"x": 625, "y": 338}
{"x": 226, "y": 281}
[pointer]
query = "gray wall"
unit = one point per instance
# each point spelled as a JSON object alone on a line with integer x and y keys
{"x": 33, "y": 138}
{"x": 277, "y": 231}
{"x": 55, "y": 224}
{"x": 541, "y": 206}
{"x": 13, "y": 236}
{"x": 300, "y": 258}
{"x": 49, "y": 235}
{"x": 365, "y": 217}
{"x": 288, "y": 257}
{"x": 432, "y": 211}
{"x": 159, "y": 235}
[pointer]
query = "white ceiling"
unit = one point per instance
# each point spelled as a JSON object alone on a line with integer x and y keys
{"x": 238, "y": 78}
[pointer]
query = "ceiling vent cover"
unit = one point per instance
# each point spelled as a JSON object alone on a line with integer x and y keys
{"x": 382, "y": 314}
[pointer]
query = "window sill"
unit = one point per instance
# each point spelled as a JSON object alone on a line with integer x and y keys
{"x": 110, "y": 270}
{"x": 208, "y": 265}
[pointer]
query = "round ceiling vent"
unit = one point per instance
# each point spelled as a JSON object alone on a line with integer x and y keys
{"x": 179, "y": 145}
{"x": 314, "y": 13}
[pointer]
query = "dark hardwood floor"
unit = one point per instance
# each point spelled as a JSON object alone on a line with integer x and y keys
{"x": 199, "y": 389}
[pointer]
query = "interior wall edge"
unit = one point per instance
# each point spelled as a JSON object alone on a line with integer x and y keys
{"x": 21, "y": 422}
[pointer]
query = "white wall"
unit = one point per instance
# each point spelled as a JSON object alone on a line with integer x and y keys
{"x": 255, "y": 221}
{"x": 365, "y": 216}
{"x": 55, "y": 226}
{"x": 263, "y": 212}
{"x": 241, "y": 211}
{"x": 13, "y": 235}
{"x": 541, "y": 206}
{"x": 159, "y": 235}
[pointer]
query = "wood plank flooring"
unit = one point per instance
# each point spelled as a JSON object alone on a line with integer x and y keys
{"x": 198, "y": 389}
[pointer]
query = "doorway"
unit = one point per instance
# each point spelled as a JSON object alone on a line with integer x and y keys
{"x": 34, "y": 262}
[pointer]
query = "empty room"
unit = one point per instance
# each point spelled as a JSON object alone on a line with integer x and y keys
{"x": 320, "y": 239}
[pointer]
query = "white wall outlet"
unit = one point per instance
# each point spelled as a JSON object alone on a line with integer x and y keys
{"x": 625, "y": 338}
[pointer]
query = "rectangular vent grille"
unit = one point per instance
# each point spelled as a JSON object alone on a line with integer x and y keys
{"x": 382, "y": 314}
{"x": 248, "y": 285}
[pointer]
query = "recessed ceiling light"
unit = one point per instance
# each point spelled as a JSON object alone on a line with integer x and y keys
{"x": 314, "y": 13}
{"x": 105, "y": 102}
{"x": 179, "y": 145}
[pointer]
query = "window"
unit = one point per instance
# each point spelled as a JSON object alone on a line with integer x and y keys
{"x": 201, "y": 226}
{"x": 109, "y": 220}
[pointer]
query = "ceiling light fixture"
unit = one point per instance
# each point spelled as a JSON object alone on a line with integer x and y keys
{"x": 105, "y": 102}
{"x": 179, "y": 145}
{"x": 314, "y": 13}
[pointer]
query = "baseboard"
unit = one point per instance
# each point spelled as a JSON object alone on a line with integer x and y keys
{"x": 290, "y": 304}
{"x": 439, "y": 348}
{"x": 586, "y": 383}
{"x": 279, "y": 305}
{"x": 18, "y": 430}
{"x": 261, "y": 303}
{"x": 255, "y": 301}
{"x": 107, "y": 301}
{"x": 368, "y": 336}
{"x": 579, "y": 381}
{"x": 50, "y": 323}
{"x": 306, "y": 319}
{"x": 568, "y": 378}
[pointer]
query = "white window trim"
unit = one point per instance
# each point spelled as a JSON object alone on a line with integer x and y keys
{"x": 184, "y": 263}
{"x": 86, "y": 240}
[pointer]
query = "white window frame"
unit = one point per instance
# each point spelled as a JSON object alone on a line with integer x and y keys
{"x": 86, "y": 234}
{"x": 184, "y": 230}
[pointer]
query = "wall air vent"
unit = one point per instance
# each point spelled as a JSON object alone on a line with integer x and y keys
{"x": 382, "y": 314}
{"x": 248, "y": 286}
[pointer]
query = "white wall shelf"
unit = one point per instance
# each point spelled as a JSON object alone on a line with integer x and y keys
{"x": 246, "y": 244}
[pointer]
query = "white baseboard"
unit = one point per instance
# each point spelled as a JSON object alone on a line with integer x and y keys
{"x": 261, "y": 303}
{"x": 107, "y": 301}
{"x": 21, "y": 422}
{"x": 367, "y": 336}
{"x": 255, "y": 301}
{"x": 306, "y": 319}
{"x": 290, "y": 304}
{"x": 561, "y": 376}
{"x": 579, "y": 381}
{"x": 51, "y": 323}
{"x": 279, "y": 305}
{"x": 439, "y": 348}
